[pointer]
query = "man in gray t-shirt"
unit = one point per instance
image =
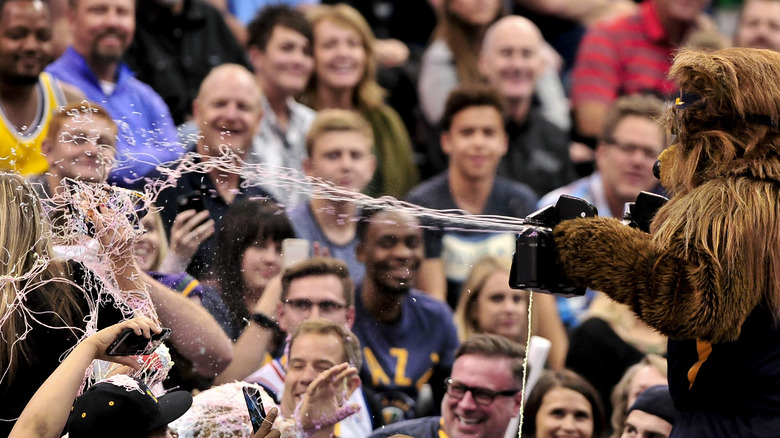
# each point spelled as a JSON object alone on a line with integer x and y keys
{"x": 339, "y": 145}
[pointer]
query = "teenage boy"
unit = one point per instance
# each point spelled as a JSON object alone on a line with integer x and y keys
{"x": 475, "y": 140}
{"x": 339, "y": 145}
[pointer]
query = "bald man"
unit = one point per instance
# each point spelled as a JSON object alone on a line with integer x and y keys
{"x": 227, "y": 111}
{"x": 512, "y": 63}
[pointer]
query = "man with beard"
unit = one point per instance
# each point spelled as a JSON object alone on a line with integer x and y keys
{"x": 408, "y": 338}
{"x": 28, "y": 96}
{"x": 102, "y": 30}
{"x": 759, "y": 25}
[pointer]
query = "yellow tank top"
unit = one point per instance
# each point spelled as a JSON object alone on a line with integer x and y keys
{"x": 21, "y": 151}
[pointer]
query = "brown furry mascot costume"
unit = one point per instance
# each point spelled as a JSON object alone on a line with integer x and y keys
{"x": 708, "y": 275}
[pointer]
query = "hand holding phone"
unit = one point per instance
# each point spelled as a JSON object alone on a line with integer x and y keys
{"x": 130, "y": 344}
{"x": 254, "y": 404}
{"x": 191, "y": 201}
{"x": 294, "y": 251}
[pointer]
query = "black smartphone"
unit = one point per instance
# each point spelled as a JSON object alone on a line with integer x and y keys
{"x": 130, "y": 344}
{"x": 255, "y": 406}
{"x": 191, "y": 201}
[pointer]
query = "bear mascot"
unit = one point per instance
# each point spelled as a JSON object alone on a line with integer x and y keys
{"x": 708, "y": 274}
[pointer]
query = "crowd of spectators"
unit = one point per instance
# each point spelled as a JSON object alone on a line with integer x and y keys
{"x": 245, "y": 123}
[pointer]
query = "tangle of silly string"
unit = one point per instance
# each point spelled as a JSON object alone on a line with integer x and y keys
{"x": 118, "y": 209}
{"x": 219, "y": 412}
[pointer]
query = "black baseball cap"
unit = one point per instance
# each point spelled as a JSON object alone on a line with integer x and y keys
{"x": 123, "y": 406}
{"x": 657, "y": 401}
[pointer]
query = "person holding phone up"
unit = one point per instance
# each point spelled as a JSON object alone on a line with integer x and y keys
{"x": 172, "y": 254}
{"x": 119, "y": 406}
{"x": 227, "y": 111}
{"x": 248, "y": 256}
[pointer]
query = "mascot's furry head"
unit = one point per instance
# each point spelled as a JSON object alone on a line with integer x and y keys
{"x": 723, "y": 173}
{"x": 726, "y": 119}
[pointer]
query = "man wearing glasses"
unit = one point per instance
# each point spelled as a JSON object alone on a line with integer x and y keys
{"x": 483, "y": 393}
{"x": 630, "y": 144}
{"x": 319, "y": 287}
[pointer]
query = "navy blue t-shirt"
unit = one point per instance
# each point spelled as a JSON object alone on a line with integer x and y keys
{"x": 401, "y": 356}
{"x": 460, "y": 246}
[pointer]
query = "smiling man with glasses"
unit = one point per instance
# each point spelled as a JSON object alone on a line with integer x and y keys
{"x": 483, "y": 393}
{"x": 481, "y": 396}
{"x": 319, "y": 287}
{"x": 629, "y": 145}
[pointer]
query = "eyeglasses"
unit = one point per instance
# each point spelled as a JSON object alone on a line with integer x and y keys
{"x": 631, "y": 149}
{"x": 325, "y": 307}
{"x": 480, "y": 395}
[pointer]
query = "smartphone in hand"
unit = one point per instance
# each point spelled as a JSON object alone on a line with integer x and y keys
{"x": 255, "y": 406}
{"x": 191, "y": 201}
{"x": 294, "y": 251}
{"x": 130, "y": 344}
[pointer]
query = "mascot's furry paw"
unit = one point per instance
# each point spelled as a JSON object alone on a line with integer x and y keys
{"x": 597, "y": 250}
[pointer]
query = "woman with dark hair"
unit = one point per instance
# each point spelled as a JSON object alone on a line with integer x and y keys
{"x": 248, "y": 255}
{"x": 562, "y": 402}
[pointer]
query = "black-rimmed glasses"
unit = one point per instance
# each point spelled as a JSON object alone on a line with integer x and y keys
{"x": 481, "y": 396}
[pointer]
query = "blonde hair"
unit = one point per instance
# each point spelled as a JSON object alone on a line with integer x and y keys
{"x": 26, "y": 241}
{"x": 322, "y": 326}
{"x": 620, "y": 393}
{"x": 621, "y": 319}
{"x": 337, "y": 120}
{"x": 464, "y": 41}
{"x": 162, "y": 245}
{"x": 77, "y": 109}
{"x": 367, "y": 94}
{"x": 472, "y": 288}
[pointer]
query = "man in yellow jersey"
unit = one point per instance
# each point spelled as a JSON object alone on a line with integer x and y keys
{"x": 28, "y": 97}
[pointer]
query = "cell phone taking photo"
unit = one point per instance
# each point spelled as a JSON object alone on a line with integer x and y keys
{"x": 130, "y": 344}
{"x": 255, "y": 406}
{"x": 191, "y": 201}
{"x": 294, "y": 251}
